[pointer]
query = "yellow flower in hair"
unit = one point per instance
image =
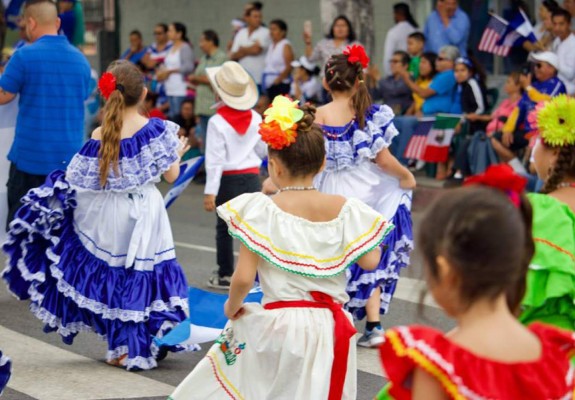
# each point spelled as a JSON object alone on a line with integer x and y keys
{"x": 556, "y": 121}
{"x": 284, "y": 112}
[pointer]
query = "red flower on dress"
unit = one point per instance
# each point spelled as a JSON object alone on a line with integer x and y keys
{"x": 107, "y": 84}
{"x": 501, "y": 177}
{"x": 275, "y": 137}
{"x": 356, "y": 54}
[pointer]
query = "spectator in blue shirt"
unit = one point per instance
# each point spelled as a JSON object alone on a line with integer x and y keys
{"x": 447, "y": 25}
{"x": 52, "y": 78}
{"x": 137, "y": 49}
{"x": 441, "y": 96}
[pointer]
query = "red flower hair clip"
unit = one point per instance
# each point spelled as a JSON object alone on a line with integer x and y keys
{"x": 501, "y": 177}
{"x": 356, "y": 54}
{"x": 107, "y": 84}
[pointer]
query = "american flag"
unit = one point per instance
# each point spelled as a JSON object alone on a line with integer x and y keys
{"x": 492, "y": 34}
{"x": 418, "y": 142}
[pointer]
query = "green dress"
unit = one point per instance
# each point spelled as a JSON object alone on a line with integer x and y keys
{"x": 550, "y": 296}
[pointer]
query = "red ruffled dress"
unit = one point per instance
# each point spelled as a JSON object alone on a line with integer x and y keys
{"x": 465, "y": 375}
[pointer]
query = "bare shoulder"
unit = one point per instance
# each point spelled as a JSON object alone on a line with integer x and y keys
{"x": 320, "y": 114}
{"x": 97, "y": 133}
{"x": 335, "y": 202}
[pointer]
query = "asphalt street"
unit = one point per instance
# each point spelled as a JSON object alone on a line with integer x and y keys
{"x": 44, "y": 368}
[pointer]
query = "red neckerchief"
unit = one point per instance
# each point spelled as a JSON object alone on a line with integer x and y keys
{"x": 239, "y": 120}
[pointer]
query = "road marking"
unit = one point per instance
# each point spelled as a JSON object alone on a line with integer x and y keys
{"x": 408, "y": 289}
{"x": 46, "y": 372}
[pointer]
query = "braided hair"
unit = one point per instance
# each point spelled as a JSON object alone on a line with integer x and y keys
{"x": 563, "y": 167}
{"x": 341, "y": 76}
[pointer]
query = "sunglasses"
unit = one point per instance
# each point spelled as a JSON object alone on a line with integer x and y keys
{"x": 539, "y": 65}
{"x": 442, "y": 59}
{"x": 158, "y": 33}
{"x": 394, "y": 61}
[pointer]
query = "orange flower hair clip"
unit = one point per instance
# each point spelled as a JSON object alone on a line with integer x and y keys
{"x": 279, "y": 129}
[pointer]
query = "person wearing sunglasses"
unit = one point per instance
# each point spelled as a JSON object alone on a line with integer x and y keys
{"x": 541, "y": 85}
{"x": 157, "y": 51}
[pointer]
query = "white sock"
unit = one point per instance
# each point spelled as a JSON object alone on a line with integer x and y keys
{"x": 517, "y": 166}
{"x": 458, "y": 175}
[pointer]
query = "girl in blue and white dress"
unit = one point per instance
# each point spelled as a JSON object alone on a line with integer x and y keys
{"x": 92, "y": 248}
{"x": 5, "y": 371}
{"x": 359, "y": 164}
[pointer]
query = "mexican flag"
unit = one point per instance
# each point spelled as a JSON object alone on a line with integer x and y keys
{"x": 439, "y": 138}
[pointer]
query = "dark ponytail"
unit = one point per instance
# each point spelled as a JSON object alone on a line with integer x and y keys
{"x": 341, "y": 76}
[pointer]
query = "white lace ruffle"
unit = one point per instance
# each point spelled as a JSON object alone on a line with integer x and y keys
{"x": 377, "y": 134}
{"x": 147, "y": 166}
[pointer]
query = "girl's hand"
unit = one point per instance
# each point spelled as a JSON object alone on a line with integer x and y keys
{"x": 408, "y": 182}
{"x": 184, "y": 146}
{"x": 233, "y": 314}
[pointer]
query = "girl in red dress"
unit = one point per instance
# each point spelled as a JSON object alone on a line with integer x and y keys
{"x": 476, "y": 244}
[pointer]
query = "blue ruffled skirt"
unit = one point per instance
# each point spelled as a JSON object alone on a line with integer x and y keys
{"x": 367, "y": 182}
{"x": 101, "y": 262}
{"x": 5, "y": 371}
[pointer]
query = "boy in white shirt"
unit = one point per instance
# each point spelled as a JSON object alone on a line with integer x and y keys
{"x": 234, "y": 151}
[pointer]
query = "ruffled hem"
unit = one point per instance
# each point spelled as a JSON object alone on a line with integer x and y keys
{"x": 72, "y": 291}
{"x": 397, "y": 248}
{"x": 254, "y": 219}
{"x": 463, "y": 375}
{"x": 5, "y": 371}
{"x": 143, "y": 158}
{"x": 345, "y": 150}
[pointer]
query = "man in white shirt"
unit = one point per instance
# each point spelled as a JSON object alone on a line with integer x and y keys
{"x": 396, "y": 38}
{"x": 250, "y": 45}
{"x": 564, "y": 47}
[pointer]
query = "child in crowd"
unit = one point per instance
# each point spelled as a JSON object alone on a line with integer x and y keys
{"x": 305, "y": 86}
{"x": 359, "y": 164}
{"x": 415, "y": 46}
{"x": 300, "y": 343}
{"x": 234, "y": 152}
{"x": 476, "y": 244}
{"x": 497, "y": 118}
{"x": 551, "y": 278}
{"x": 92, "y": 248}
{"x": 427, "y": 71}
{"x": 149, "y": 108}
{"x": 471, "y": 86}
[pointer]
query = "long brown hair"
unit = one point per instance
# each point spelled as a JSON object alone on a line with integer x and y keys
{"x": 342, "y": 76}
{"x": 129, "y": 88}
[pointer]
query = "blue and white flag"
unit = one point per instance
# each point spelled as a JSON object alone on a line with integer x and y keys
{"x": 188, "y": 170}
{"x": 519, "y": 29}
{"x": 13, "y": 8}
{"x": 206, "y": 319}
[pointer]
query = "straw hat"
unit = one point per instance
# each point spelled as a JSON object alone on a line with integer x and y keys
{"x": 234, "y": 85}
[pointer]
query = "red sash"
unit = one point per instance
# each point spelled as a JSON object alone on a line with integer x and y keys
{"x": 343, "y": 332}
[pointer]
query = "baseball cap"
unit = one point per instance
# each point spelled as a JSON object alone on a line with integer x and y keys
{"x": 548, "y": 57}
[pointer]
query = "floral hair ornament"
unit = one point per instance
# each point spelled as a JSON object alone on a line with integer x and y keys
{"x": 279, "y": 129}
{"x": 356, "y": 54}
{"x": 554, "y": 121}
{"x": 107, "y": 84}
{"x": 501, "y": 177}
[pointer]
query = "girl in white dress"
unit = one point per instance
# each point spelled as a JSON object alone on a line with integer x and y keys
{"x": 360, "y": 165}
{"x": 300, "y": 343}
{"x": 92, "y": 248}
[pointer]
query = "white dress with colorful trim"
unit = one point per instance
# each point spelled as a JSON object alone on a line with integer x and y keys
{"x": 286, "y": 353}
{"x": 102, "y": 259}
{"x": 351, "y": 172}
